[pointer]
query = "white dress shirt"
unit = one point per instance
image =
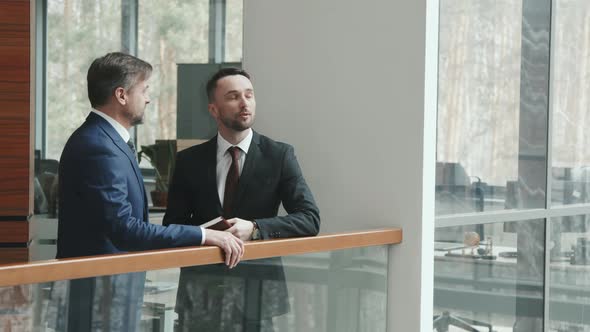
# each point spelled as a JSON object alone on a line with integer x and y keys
{"x": 126, "y": 136}
{"x": 118, "y": 127}
{"x": 224, "y": 160}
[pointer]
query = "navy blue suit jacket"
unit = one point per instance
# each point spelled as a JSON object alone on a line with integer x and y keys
{"x": 102, "y": 200}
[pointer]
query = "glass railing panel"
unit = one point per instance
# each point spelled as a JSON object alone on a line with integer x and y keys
{"x": 343, "y": 290}
{"x": 569, "y": 278}
{"x": 490, "y": 277}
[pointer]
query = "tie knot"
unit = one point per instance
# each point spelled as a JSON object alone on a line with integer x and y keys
{"x": 234, "y": 152}
{"x": 131, "y": 145}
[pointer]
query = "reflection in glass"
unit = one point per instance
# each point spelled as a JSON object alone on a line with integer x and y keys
{"x": 570, "y": 101}
{"x": 491, "y": 109}
{"x": 491, "y": 279}
{"x": 330, "y": 291}
{"x": 569, "y": 280}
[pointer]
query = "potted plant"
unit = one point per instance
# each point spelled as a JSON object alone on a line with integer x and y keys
{"x": 162, "y": 157}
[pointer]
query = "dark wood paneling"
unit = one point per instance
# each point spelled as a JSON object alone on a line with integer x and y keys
{"x": 15, "y": 118}
{"x": 13, "y": 255}
{"x": 14, "y": 231}
{"x": 13, "y": 11}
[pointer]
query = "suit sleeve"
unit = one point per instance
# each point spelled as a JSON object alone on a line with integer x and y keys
{"x": 178, "y": 210}
{"x": 106, "y": 186}
{"x": 303, "y": 217}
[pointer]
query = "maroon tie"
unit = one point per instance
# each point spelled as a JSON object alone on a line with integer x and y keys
{"x": 231, "y": 183}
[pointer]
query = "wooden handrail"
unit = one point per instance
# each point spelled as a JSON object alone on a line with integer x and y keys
{"x": 84, "y": 267}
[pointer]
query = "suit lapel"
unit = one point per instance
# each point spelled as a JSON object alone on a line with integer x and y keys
{"x": 146, "y": 214}
{"x": 211, "y": 173}
{"x": 248, "y": 170}
{"x": 114, "y": 135}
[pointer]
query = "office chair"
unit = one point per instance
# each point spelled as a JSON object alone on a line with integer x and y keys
{"x": 441, "y": 323}
{"x": 46, "y": 175}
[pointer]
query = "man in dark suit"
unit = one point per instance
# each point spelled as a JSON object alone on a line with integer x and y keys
{"x": 244, "y": 177}
{"x": 102, "y": 200}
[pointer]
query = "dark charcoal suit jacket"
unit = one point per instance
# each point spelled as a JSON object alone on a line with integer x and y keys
{"x": 270, "y": 176}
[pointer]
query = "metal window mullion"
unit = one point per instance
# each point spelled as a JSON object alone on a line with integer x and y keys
{"x": 549, "y": 187}
{"x": 217, "y": 17}
{"x": 41, "y": 77}
{"x": 511, "y": 215}
{"x": 129, "y": 29}
{"x": 546, "y": 275}
{"x": 490, "y": 217}
{"x": 129, "y": 35}
{"x": 549, "y": 156}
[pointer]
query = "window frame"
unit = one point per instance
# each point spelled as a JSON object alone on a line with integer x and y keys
{"x": 549, "y": 212}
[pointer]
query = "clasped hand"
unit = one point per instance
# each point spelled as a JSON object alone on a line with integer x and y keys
{"x": 232, "y": 246}
{"x": 231, "y": 241}
{"x": 241, "y": 228}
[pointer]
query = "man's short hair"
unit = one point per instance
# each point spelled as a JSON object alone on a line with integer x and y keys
{"x": 111, "y": 71}
{"x": 221, "y": 73}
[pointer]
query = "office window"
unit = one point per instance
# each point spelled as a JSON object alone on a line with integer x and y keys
{"x": 569, "y": 235}
{"x": 169, "y": 33}
{"x": 234, "y": 31}
{"x": 490, "y": 149}
{"x": 493, "y": 282}
{"x": 569, "y": 282}
{"x": 77, "y": 32}
{"x": 164, "y": 33}
{"x": 571, "y": 103}
{"x": 492, "y": 165}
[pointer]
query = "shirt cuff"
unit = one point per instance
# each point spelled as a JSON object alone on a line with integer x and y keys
{"x": 202, "y": 236}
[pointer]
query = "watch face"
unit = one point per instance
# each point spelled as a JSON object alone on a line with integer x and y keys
{"x": 256, "y": 234}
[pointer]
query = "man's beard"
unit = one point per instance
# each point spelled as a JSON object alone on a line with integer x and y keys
{"x": 237, "y": 125}
{"x": 135, "y": 119}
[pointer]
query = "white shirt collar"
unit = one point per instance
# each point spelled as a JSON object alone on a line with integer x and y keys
{"x": 118, "y": 127}
{"x": 244, "y": 145}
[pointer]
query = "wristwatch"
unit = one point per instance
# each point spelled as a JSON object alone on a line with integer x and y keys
{"x": 255, "y": 231}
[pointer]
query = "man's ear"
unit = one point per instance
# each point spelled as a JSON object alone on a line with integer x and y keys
{"x": 121, "y": 95}
{"x": 212, "y": 110}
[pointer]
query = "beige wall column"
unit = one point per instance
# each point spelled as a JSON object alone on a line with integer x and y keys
{"x": 352, "y": 85}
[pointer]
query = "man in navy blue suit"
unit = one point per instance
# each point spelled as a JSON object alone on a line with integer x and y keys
{"x": 102, "y": 200}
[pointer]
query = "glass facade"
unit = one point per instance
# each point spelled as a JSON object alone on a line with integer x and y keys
{"x": 569, "y": 274}
{"x": 78, "y": 31}
{"x": 169, "y": 33}
{"x": 511, "y": 245}
{"x": 164, "y": 33}
{"x": 478, "y": 106}
{"x": 570, "y": 103}
{"x": 496, "y": 283}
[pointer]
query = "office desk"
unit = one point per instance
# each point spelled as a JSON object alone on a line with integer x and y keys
{"x": 498, "y": 287}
